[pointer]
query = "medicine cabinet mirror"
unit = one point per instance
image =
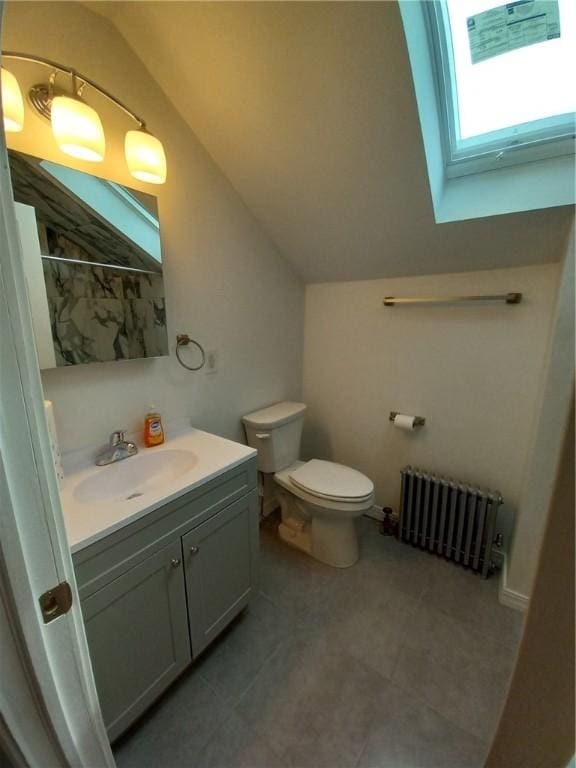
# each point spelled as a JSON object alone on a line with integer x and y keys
{"x": 93, "y": 264}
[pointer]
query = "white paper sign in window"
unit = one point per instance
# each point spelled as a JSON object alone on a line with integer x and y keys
{"x": 511, "y": 26}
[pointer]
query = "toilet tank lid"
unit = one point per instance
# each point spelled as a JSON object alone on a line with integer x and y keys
{"x": 275, "y": 415}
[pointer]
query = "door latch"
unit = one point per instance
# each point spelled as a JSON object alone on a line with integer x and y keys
{"x": 56, "y": 602}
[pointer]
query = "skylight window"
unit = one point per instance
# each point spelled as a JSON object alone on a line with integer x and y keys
{"x": 505, "y": 74}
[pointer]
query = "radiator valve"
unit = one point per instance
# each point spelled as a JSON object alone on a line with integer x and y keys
{"x": 389, "y": 525}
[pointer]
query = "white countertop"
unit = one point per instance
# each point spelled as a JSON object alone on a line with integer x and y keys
{"x": 89, "y": 521}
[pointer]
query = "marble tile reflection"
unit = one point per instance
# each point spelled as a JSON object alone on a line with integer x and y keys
{"x": 99, "y": 314}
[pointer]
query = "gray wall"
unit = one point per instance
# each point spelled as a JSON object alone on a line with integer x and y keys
{"x": 474, "y": 372}
{"x": 557, "y": 394}
{"x": 226, "y": 283}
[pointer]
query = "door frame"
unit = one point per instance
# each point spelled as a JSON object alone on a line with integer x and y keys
{"x": 48, "y": 701}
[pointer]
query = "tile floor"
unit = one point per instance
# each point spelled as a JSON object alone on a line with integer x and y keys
{"x": 399, "y": 662}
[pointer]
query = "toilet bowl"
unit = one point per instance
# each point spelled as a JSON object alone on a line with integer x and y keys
{"x": 317, "y": 521}
{"x": 319, "y": 500}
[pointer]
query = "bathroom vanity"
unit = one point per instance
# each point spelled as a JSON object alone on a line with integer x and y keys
{"x": 165, "y": 549}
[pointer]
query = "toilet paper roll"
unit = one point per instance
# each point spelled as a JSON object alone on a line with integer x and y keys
{"x": 402, "y": 421}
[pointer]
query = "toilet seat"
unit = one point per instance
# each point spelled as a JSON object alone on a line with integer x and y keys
{"x": 331, "y": 481}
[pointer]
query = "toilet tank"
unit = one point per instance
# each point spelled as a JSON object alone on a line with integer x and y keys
{"x": 276, "y": 432}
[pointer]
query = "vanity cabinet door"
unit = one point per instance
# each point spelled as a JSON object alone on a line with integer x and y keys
{"x": 221, "y": 560}
{"x": 138, "y": 637}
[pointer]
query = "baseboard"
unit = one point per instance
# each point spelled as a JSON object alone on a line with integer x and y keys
{"x": 509, "y": 597}
{"x": 375, "y": 513}
{"x": 513, "y": 599}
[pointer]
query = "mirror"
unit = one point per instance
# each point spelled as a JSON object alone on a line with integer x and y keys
{"x": 93, "y": 263}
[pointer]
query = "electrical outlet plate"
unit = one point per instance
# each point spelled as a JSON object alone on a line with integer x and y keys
{"x": 212, "y": 361}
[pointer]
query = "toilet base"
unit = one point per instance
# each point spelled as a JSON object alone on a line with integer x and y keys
{"x": 334, "y": 542}
{"x": 298, "y": 539}
{"x": 330, "y": 539}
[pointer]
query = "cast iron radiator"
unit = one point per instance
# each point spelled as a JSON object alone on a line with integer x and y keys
{"x": 448, "y": 518}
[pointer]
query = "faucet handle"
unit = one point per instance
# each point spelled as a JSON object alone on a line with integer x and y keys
{"x": 119, "y": 436}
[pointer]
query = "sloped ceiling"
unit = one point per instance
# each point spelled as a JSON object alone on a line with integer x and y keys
{"x": 309, "y": 110}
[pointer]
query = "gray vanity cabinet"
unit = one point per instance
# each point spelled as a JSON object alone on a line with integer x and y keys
{"x": 220, "y": 569}
{"x": 157, "y": 591}
{"x": 137, "y": 633}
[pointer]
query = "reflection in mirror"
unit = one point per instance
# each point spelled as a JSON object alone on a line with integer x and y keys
{"x": 93, "y": 262}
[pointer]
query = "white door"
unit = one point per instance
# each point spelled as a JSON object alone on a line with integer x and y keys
{"x": 49, "y": 708}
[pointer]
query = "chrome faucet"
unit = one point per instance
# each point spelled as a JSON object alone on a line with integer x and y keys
{"x": 118, "y": 449}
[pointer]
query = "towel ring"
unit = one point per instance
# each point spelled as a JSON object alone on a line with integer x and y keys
{"x": 182, "y": 340}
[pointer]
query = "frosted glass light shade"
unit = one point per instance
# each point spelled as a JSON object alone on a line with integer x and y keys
{"x": 12, "y": 103}
{"x": 77, "y": 129}
{"x": 145, "y": 157}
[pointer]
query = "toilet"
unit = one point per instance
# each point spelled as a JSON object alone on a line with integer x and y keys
{"x": 319, "y": 500}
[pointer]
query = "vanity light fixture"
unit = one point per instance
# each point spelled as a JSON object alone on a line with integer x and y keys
{"x": 145, "y": 156}
{"x": 12, "y": 103}
{"x": 76, "y": 126}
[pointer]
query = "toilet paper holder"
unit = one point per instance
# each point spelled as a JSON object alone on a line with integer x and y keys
{"x": 419, "y": 421}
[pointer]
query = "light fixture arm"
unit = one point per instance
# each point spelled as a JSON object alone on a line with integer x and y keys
{"x": 74, "y": 74}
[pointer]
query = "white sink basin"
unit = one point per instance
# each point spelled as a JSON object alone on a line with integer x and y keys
{"x": 135, "y": 476}
{"x": 100, "y": 500}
